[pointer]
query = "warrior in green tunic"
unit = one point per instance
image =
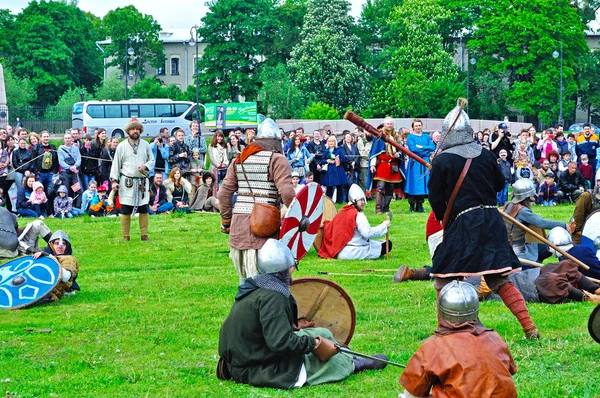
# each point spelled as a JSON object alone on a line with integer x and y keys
{"x": 263, "y": 344}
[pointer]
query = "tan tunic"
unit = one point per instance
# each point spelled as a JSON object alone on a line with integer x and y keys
{"x": 125, "y": 164}
{"x": 240, "y": 236}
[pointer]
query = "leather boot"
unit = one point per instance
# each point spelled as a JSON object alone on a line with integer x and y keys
{"x": 419, "y": 208}
{"x": 378, "y": 202}
{"x": 144, "y": 226}
{"x": 419, "y": 274}
{"x": 386, "y": 203}
{"x": 412, "y": 207}
{"x": 416, "y": 274}
{"x": 361, "y": 364}
{"x": 125, "y": 226}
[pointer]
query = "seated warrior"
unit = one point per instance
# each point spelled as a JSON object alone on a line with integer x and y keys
{"x": 349, "y": 235}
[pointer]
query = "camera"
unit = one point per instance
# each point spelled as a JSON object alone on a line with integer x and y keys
{"x": 160, "y": 140}
{"x": 507, "y": 134}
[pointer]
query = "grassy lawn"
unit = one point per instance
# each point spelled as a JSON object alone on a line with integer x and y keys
{"x": 146, "y": 322}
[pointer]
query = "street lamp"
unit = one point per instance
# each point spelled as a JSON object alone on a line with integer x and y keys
{"x": 130, "y": 52}
{"x": 472, "y": 61}
{"x": 194, "y": 42}
{"x": 556, "y": 54}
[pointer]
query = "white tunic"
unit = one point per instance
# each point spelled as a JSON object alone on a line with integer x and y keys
{"x": 125, "y": 164}
{"x": 361, "y": 246}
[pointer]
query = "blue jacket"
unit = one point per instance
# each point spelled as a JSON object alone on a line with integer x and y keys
{"x": 164, "y": 151}
{"x": 549, "y": 192}
{"x": 587, "y": 146}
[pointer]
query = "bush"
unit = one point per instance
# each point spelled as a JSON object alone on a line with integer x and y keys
{"x": 320, "y": 111}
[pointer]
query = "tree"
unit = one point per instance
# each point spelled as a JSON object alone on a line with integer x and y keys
{"x": 127, "y": 28}
{"x": 151, "y": 87}
{"x": 589, "y": 86}
{"x": 20, "y": 92}
{"x": 420, "y": 78}
{"x": 516, "y": 39}
{"x": 238, "y": 33}
{"x": 7, "y": 32}
{"x": 278, "y": 96}
{"x": 289, "y": 17}
{"x": 320, "y": 111}
{"x": 325, "y": 63}
{"x": 112, "y": 89}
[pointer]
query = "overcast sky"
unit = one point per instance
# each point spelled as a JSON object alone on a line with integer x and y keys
{"x": 170, "y": 14}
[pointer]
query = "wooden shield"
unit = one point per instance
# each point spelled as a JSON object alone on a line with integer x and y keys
{"x": 530, "y": 238}
{"x": 327, "y": 304}
{"x": 25, "y": 280}
{"x": 591, "y": 227}
{"x": 329, "y": 211}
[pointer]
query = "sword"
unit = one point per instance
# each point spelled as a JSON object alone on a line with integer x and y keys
{"x": 345, "y": 350}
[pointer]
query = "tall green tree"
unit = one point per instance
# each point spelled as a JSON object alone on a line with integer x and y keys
{"x": 420, "y": 77}
{"x": 238, "y": 33}
{"x": 127, "y": 27}
{"x": 7, "y": 32}
{"x": 517, "y": 38}
{"x": 325, "y": 63}
{"x": 589, "y": 85}
{"x": 20, "y": 92}
{"x": 278, "y": 96}
{"x": 289, "y": 17}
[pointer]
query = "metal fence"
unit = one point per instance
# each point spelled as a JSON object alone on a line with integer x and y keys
{"x": 37, "y": 118}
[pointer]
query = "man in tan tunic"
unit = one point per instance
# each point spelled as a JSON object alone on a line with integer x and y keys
{"x": 129, "y": 173}
{"x": 260, "y": 173}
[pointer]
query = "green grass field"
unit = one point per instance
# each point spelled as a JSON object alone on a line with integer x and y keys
{"x": 146, "y": 322}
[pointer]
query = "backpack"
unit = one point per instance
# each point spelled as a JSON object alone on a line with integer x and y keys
{"x": 47, "y": 160}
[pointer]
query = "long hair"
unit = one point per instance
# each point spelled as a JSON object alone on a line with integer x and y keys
{"x": 214, "y": 141}
{"x": 172, "y": 176}
{"x": 97, "y": 142}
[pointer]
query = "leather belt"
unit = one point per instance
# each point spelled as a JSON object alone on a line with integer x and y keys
{"x": 475, "y": 208}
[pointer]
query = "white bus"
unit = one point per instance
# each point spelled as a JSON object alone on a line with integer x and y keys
{"x": 154, "y": 114}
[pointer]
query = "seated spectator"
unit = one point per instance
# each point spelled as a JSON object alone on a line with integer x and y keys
{"x": 38, "y": 199}
{"x": 570, "y": 184}
{"x": 296, "y": 182}
{"x": 563, "y": 164}
{"x": 204, "y": 199}
{"x": 2, "y": 201}
{"x": 24, "y": 206}
{"x": 548, "y": 194}
{"x": 178, "y": 189}
{"x": 63, "y": 205}
{"x": 99, "y": 205}
{"x": 159, "y": 203}
{"x": 88, "y": 195}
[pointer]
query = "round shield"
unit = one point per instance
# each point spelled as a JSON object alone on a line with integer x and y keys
{"x": 329, "y": 211}
{"x": 327, "y": 304}
{"x": 302, "y": 221}
{"x": 594, "y": 324}
{"x": 591, "y": 227}
{"x": 25, "y": 280}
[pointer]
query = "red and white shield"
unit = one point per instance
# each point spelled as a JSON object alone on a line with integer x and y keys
{"x": 303, "y": 219}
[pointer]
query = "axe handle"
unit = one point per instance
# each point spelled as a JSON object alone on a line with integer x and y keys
{"x": 543, "y": 240}
{"x": 347, "y": 351}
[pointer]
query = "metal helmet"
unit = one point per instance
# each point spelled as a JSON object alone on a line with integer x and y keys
{"x": 274, "y": 256}
{"x": 60, "y": 235}
{"x": 597, "y": 242}
{"x": 457, "y": 132}
{"x": 458, "y": 302}
{"x": 559, "y": 236}
{"x": 356, "y": 193}
{"x": 268, "y": 129}
{"x": 523, "y": 189}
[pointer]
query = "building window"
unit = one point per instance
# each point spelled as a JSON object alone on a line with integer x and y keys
{"x": 161, "y": 71}
{"x": 175, "y": 66}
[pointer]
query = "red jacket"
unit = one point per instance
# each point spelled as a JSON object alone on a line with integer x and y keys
{"x": 338, "y": 232}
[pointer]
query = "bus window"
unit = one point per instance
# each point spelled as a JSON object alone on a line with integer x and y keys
{"x": 146, "y": 110}
{"x": 96, "y": 111}
{"x": 112, "y": 111}
{"x": 78, "y": 108}
{"x": 163, "y": 110}
{"x": 125, "y": 110}
{"x": 180, "y": 108}
{"x": 134, "y": 110}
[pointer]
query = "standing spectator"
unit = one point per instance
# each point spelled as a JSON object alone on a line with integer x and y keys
{"x": 90, "y": 156}
{"x": 196, "y": 170}
{"x": 417, "y": 175}
{"x": 587, "y": 143}
{"x": 533, "y": 139}
{"x": 570, "y": 184}
{"x": 217, "y": 153}
{"x": 586, "y": 171}
{"x": 24, "y": 206}
{"x": 179, "y": 189}
{"x": 546, "y": 145}
{"x": 179, "y": 153}
{"x": 548, "y": 194}
{"x": 234, "y": 148}
{"x": 22, "y": 162}
{"x": 384, "y": 167}
{"x": 33, "y": 139}
{"x": 316, "y": 148}
{"x": 46, "y": 163}
{"x": 159, "y": 202}
{"x": 572, "y": 145}
{"x": 298, "y": 157}
{"x": 505, "y": 167}
{"x": 196, "y": 141}
{"x": 76, "y": 135}
{"x": 69, "y": 159}
{"x": 351, "y": 161}
{"x": 160, "y": 150}
{"x": 108, "y": 154}
{"x": 364, "y": 141}
{"x": 334, "y": 176}
{"x": 562, "y": 144}
{"x": 524, "y": 171}
{"x": 100, "y": 141}
{"x": 501, "y": 140}
{"x": 250, "y": 136}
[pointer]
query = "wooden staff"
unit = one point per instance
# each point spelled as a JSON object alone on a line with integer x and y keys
{"x": 388, "y": 217}
{"x": 344, "y": 274}
{"x": 360, "y": 122}
{"x": 543, "y": 240}
{"x": 534, "y": 264}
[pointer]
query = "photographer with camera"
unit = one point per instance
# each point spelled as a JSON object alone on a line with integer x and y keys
{"x": 501, "y": 140}
{"x": 160, "y": 150}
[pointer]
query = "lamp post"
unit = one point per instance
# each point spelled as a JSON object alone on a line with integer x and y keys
{"x": 472, "y": 61}
{"x": 130, "y": 51}
{"x": 194, "y": 42}
{"x": 556, "y": 54}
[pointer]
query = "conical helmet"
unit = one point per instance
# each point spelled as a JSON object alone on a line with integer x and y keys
{"x": 355, "y": 193}
{"x": 268, "y": 129}
{"x": 274, "y": 256}
{"x": 458, "y": 302}
{"x": 457, "y": 132}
